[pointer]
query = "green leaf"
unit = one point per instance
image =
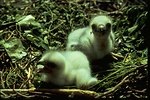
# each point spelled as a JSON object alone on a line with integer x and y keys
{"x": 15, "y": 49}
{"x": 144, "y": 61}
{"x": 133, "y": 28}
{"x": 27, "y": 20}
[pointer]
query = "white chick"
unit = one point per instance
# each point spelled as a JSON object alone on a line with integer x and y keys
{"x": 66, "y": 68}
{"x": 95, "y": 41}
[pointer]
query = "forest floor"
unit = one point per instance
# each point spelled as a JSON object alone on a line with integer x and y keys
{"x": 124, "y": 74}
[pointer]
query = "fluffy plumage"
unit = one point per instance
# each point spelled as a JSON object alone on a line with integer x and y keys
{"x": 66, "y": 68}
{"x": 95, "y": 41}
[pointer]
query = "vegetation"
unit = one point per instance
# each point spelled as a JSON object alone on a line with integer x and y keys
{"x": 30, "y": 27}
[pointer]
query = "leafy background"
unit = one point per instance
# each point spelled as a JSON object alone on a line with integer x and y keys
{"x": 23, "y": 42}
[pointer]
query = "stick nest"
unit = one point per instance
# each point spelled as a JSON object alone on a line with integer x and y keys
{"x": 125, "y": 76}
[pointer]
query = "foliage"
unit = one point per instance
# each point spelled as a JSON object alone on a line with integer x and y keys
{"x": 30, "y": 27}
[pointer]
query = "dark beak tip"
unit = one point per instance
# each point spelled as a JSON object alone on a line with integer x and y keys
{"x": 102, "y": 29}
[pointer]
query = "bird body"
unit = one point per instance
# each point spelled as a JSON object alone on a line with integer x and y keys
{"x": 66, "y": 68}
{"x": 95, "y": 40}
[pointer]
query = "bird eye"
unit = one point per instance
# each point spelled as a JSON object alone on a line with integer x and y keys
{"x": 93, "y": 26}
{"x": 108, "y": 25}
{"x": 50, "y": 64}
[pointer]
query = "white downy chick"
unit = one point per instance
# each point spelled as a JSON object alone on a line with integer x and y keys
{"x": 95, "y": 41}
{"x": 66, "y": 68}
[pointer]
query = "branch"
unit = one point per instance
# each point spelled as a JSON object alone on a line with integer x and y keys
{"x": 68, "y": 92}
{"x": 71, "y": 92}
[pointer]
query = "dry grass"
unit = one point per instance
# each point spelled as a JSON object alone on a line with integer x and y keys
{"x": 122, "y": 78}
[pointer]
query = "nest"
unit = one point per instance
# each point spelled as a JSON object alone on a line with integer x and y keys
{"x": 21, "y": 46}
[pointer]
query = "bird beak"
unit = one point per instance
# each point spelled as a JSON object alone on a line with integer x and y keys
{"x": 101, "y": 27}
{"x": 39, "y": 68}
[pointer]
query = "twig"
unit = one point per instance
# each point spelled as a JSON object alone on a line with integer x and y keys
{"x": 2, "y": 81}
{"x": 56, "y": 26}
{"x": 138, "y": 91}
{"x": 117, "y": 55}
{"x": 8, "y": 96}
{"x": 77, "y": 92}
{"x": 23, "y": 95}
{"x": 17, "y": 90}
{"x": 135, "y": 95}
{"x": 114, "y": 88}
{"x": 74, "y": 92}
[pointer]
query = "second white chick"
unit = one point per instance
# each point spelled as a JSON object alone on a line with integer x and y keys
{"x": 66, "y": 68}
{"x": 95, "y": 41}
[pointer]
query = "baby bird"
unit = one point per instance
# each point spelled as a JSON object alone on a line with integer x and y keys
{"x": 95, "y": 41}
{"x": 66, "y": 68}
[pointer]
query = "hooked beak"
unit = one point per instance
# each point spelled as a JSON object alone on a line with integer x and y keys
{"x": 101, "y": 27}
{"x": 40, "y": 68}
